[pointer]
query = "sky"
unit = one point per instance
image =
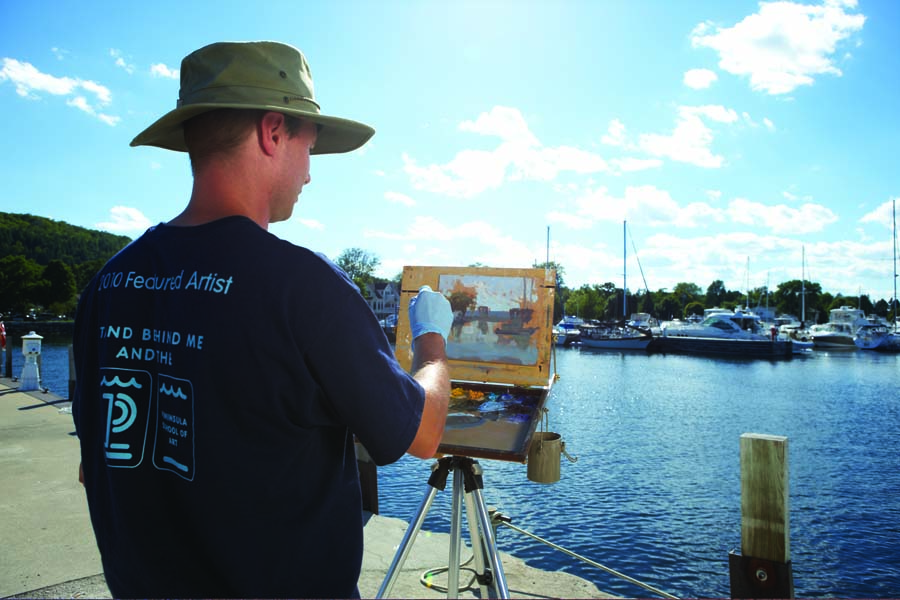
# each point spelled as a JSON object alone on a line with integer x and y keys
{"x": 747, "y": 142}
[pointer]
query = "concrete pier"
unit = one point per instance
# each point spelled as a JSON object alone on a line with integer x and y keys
{"x": 48, "y": 548}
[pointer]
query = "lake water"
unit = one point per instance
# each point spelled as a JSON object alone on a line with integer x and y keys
{"x": 655, "y": 492}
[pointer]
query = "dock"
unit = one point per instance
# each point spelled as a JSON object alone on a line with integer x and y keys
{"x": 48, "y": 548}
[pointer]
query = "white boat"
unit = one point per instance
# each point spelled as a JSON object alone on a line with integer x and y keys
{"x": 723, "y": 333}
{"x": 719, "y": 323}
{"x": 838, "y": 332}
{"x": 631, "y": 334}
{"x": 877, "y": 336}
{"x": 567, "y": 331}
{"x": 612, "y": 336}
{"x": 644, "y": 321}
{"x": 882, "y": 336}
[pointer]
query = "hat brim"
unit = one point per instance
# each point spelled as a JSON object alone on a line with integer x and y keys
{"x": 336, "y": 135}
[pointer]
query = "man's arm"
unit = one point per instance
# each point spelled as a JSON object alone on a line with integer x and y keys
{"x": 430, "y": 369}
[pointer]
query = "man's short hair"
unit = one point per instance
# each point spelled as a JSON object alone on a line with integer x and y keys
{"x": 218, "y": 132}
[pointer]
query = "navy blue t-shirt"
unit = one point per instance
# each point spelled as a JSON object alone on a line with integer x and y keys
{"x": 221, "y": 376}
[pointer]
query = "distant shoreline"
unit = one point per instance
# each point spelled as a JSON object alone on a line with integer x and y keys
{"x": 48, "y": 329}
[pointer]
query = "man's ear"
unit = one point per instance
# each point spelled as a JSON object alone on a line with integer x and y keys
{"x": 271, "y": 132}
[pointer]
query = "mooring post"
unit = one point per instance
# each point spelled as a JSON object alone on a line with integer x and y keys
{"x": 71, "y": 372}
{"x": 9, "y": 372}
{"x": 763, "y": 568}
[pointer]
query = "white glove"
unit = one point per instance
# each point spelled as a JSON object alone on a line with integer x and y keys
{"x": 429, "y": 312}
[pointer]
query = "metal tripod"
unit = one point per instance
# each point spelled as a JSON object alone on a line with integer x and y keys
{"x": 466, "y": 472}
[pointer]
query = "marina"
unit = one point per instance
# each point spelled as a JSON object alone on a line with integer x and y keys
{"x": 655, "y": 491}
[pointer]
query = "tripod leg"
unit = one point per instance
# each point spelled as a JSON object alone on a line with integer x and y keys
{"x": 455, "y": 534}
{"x": 406, "y": 544}
{"x": 484, "y": 522}
{"x": 478, "y": 549}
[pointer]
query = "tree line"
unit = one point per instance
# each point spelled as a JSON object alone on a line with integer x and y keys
{"x": 604, "y": 302}
{"x": 44, "y": 264}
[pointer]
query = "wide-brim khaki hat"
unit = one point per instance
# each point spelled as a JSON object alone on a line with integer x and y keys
{"x": 252, "y": 75}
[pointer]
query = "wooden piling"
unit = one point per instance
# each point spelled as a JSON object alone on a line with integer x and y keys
{"x": 764, "y": 497}
{"x": 763, "y": 569}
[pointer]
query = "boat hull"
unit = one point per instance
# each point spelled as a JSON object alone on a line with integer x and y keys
{"x": 834, "y": 341}
{"x": 639, "y": 343}
{"x": 778, "y": 349}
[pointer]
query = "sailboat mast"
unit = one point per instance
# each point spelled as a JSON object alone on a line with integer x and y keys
{"x": 803, "y": 288}
{"x": 548, "y": 246}
{"x": 894, "y": 210}
{"x": 624, "y": 273}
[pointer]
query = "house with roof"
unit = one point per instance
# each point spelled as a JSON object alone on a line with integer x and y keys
{"x": 384, "y": 298}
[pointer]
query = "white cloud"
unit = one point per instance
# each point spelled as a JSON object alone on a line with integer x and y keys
{"x": 654, "y": 207}
{"x": 644, "y": 204}
{"x": 31, "y": 83}
{"x": 398, "y": 198}
{"x": 712, "y": 111}
{"x": 492, "y": 246}
{"x": 125, "y": 219}
{"x": 783, "y": 219}
{"x": 884, "y": 214}
{"x": 615, "y": 135}
{"x": 519, "y": 156}
{"x": 784, "y": 45}
{"x": 161, "y": 70}
{"x": 699, "y": 79}
{"x": 691, "y": 140}
{"x": 629, "y": 164}
{"x": 506, "y": 123}
{"x": 769, "y": 124}
{"x": 311, "y": 224}
{"x": 569, "y": 220}
{"x": 120, "y": 61}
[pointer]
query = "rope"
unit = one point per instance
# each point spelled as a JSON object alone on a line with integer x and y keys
{"x": 645, "y": 586}
{"x": 427, "y": 577}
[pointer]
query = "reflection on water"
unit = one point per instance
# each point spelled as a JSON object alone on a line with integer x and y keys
{"x": 656, "y": 489}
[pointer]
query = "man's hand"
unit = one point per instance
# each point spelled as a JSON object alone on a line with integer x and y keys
{"x": 429, "y": 312}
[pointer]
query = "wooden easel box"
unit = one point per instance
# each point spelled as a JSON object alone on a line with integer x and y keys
{"x": 499, "y": 352}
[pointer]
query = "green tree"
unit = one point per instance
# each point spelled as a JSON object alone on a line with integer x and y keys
{"x": 865, "y": 304}
{"x": 668, "y": 306}
{"x": 788, "y": 298}
{"x": 359, "y": 265}
{"x": 715, "y": 294}
{"x": 693, "y": 308}
{"x": 60, "y": 288}
{"x": 562, "y": 292}
{"x": 85, "y": 271}
{"x": 20, "y": 281}
{"x": 822, "y": 306}
{"x": 646, "y": 303}
{"x": 587, "y": 302}
{"x": 686, "y": 293}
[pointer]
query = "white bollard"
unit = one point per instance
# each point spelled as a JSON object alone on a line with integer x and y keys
{"x": 31, "y": 376}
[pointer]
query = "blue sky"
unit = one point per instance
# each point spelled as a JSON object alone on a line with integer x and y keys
{"x": 732, "y": 136}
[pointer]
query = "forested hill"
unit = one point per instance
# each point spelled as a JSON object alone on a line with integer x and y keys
{"x": 45, "y": 263}
{"x": 41, "y": 239}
